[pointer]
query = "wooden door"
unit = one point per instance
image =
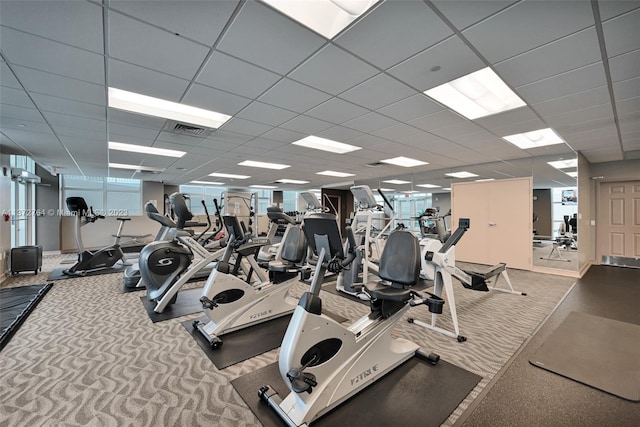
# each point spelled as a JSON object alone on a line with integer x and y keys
{"x": 618, "y": 226}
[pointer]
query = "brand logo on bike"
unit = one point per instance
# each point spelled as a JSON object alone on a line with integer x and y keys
{"x": 364, "y": 374}
{"x": 163, "y": 262}
{"x": 261, "y": 314}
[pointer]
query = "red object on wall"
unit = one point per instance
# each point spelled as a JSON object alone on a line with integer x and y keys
{"x": 6, "y": 217}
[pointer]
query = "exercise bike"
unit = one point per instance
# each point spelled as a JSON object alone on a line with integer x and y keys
{"x": 101, "y": 259}
{"x": 166, "y": 266}
{"x": 231, "y": 303}
{"x": 324, "y": 363}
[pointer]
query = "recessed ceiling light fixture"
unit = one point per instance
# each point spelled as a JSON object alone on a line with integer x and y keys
{"x": 485, "y": 179}
{"x": 404, "y": 162}
{"x": 135, "y": 167}
{"x": 206, "y": 182}
{"x": 263, "y": 186}
{"x": 563, "y": 164}
{"x": 265, "y": 165}
{"x": 463, "y": 174}
{"x": 534, "y": 139}
{"x": 150, "y": 106}
{"x": 427, "y": 185}
{"x": 572, "y": 174}
{"x": 397, "y": 182}
{"x": 334, "y": 173}
{"x": 291, "y": 181}
{"x": 476, "y": 95}
{"x": 145, "y": 150}
{"x": 326, "y": 144}
{"x": 325, "y": 17}
{"x": 229, "y": 175}
{"x": 446, "y": 188}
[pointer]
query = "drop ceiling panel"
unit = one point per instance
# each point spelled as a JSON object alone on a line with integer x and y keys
{"x": 410, "y": 108}
{"x": 214, "y": 99}
{"x": 283, "y": 135}
{"x": 463, "y": 131}
{"x": 336, "y": 110}
{"x": 437, "y": 120}
{"x": 200, "y": 21}
{"x": 131, "y": 119}
{"x": 605, "y": 155}
{"x": 602, "y": 112}
{"x": 184, "y": 140}
{"x": 82, "y": 109}
{"x": 518, "y": 115}
{"x": 245, "y": 127}
{"x": 320, "y": 71}
{"x": 568, "y": 53}
{"x": 625, "y": 66}
{"x": 281, "y": 51}
{"x": 147, "y": 82}
{"x": 144, "y": 45}
{"x": 370, "y": 122}
{"x": 395, "y": 132}
{"x": 421, "y": 139}
{"x": 393, "y": 32}
{"x": 610, "y": 9}
{"x": 627, "y": 89}
{"x": 125, "y": 157}
{"x": 16, "y": 97}
{"x": 527, "y": 25}
{"x": 233, "y": 75}
{"x": 454, "y": 58}
{"x": 630, "y": 105}
{"x": 43, "y": 18}
{"x": 463, "y": 14}
{"x": 266, "y": 144}
{"x": 294, "y": 96}
{"x": 31, "y": 51}
{"x": 574, "y": 81}
{"x": 21, "y": 113}
{"x": 265, "y": 113}
{"x": 133, "y": 131}
{"x": 6, "y": 76}
{"x": 622, "y": 34}
{"x": 307, "y": 125}
{"x": 169, "y": 146}
{"x": 64, "y": 87}
{"x": 573, "y": 102}
{"x": 65, "y": 131}
{"x": 378, "y": 92}
{"x": 340, "y": 133}
{"x": 24, "y": 125}
{"x": 513, "y": 128}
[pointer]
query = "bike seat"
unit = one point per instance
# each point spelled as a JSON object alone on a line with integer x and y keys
{"x": 381, "y": 291}
{"x": 249, "y": 249}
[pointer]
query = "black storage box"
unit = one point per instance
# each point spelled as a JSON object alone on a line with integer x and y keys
{"x": 26, "y": 258}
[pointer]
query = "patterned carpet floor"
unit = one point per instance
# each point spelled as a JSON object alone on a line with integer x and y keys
{"x": 88, "y": 355}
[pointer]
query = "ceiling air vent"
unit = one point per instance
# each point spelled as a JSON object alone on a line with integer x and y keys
{"x": 186, "y": 129}
{"x": 374, "y": 165}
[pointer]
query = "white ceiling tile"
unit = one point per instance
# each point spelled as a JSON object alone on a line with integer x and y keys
{"x": 133, "y": 131}
{"x": 630, "y": 105}
{"x": 622, "y": 34}
{"x": 518, "y": 115}
{"x": 378, "y": 92}
{"x": 75, "y": 108}
{"x": 397, "y": 131}
{"x": 293, "y": 96}
{"x": 245, "y": 127}
{"x": 458, "y": 131}
{"x": 281, "y": 51}
{"x": 576, "y": 101}
{"x": 568, "y": 53}
{"x": 370, "y": 122}
{"x": 337, "y": 111}
{"x": 65, "y": 131}
{"x": 605, "y": 155}
{"x": 629, "y": 123}
{"x": 321, "y": 69}
{"x": 627, "y": 89}
{"x": 393, "y": 32}
{"x": 463, "y": 14}
{"x": 340, "y": 134}
{"x": 144, "y": 45}
{"x": 132, "y": 119}
{"x": 625, "y": 66}
{"x": 147, "y": 82}
{"x": 7, "y": 78}
{"x": 214, "y": 99}
{"x": 18, "y": 124}
{"x": 527, "y": 25}
{"x": 21, "y": 113}
{"x": 574, "y": 81}
{"x": 603, "y": 111}
{"x": 410, "y": 108}
{"x": 174, "y": 138}
{"x": 63, "y": 87}
{"x": 421, "y": 139}
{"x": 454, "y": 58}
{"x": 227, "y": 73}
{"x": 266, "y": 114}
{"x": 437, "y": 120}
{"x": 31, "y": 51}
{"x": 306, "y": 124}
{"x": 266, "y": 144}
{"x": 74, "y": 121}
{"x": 283, "y": 135}
{"x": 17, "y": 97}
{"x": 70, "y": 22}
{"x": 611, "y": 8}
{"x": 198, "y": 20}
{"x": 508, "y": 128}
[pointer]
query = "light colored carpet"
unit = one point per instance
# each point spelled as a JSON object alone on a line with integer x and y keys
{"x": 89, "y": 356}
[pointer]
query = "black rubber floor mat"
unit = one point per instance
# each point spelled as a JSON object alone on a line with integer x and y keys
{"x": 58, "y": 273}
{"x": 15, "y": 306}
{"x": 596, "y": 351}
{"x": 414, "y": 394}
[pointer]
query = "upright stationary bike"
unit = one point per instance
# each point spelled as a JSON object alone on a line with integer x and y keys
{"x": 101, "y": 259}
{"x": 324, "y": 363}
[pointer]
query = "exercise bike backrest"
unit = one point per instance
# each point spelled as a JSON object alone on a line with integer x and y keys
{"x": 321, "y": 232}
{"x": 180, "y": 209}
{"x": 400, "y": 259}
{"x": 276, "y": 215}
{"x": 78, "y": 206}
{"x": 152, "y": 213}
{"x": 234, "y": 230}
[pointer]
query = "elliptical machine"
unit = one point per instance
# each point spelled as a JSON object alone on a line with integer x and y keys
{"x": 324, "y": 363}
{"x": 165, "y": 266}
{"x": 101, "y": 259}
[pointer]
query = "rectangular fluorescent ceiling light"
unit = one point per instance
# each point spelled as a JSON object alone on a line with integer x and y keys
{"x": 534, "y": 139}
{"x": 334, "y": 173}
{"x": 476, "y": 95}
{"x": 229, "y": 175}
{"x": 325, "y": 17}
{"x": 264, "y": 165}
{"x": 326, "y": 144}
{"x": 411, "y": 192}
{"x": 446, "y": 188}
{"x": 572, "y": 174}
{"x": 145, "y": 150}
{"x": 291, "y": 181}
{"x": 396, "y": 181}
{"x": 391, "y": 190}
{"x": 206, "y": 182}
{"x": 563, "y": 164}
{"x": 135, "y": 167}
{"x": 463, "y": 174}
{"x": 404, "y": 161}
{"x": 263, "y": 186}
{"x": 428, "y": 186}
{"x": 150, "y": 106}
{"x": 485, "y": 179}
